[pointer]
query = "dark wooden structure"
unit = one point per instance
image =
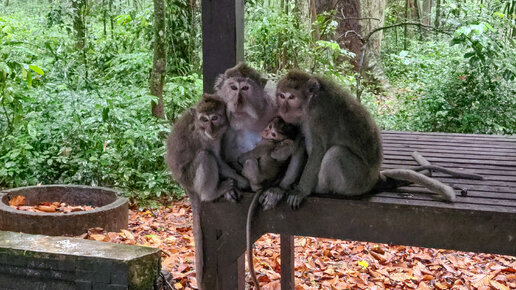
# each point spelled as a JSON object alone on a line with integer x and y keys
{"x": 482, "y": 221}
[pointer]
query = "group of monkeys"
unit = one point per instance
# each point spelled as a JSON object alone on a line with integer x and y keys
{"x": 309, "y": 136}
{"x": 312, "y": 136}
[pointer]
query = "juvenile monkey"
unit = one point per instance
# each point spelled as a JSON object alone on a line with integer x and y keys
{"x": 249, "y": 109}
{"x": 263, "y": 164}
{"x": 193, "y": 153}
{"x": 342, "y": 141}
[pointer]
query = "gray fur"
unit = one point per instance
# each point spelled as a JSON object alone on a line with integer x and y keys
{"x": 193, "y": 152}
{"x": 342, "y": 140}
{"x": 249, "y": 109}
{"x": 263, "y": 165}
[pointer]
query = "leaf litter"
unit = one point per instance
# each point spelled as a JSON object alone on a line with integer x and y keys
{"x": 319, "y": 263}
{"x": 18, "y": 203}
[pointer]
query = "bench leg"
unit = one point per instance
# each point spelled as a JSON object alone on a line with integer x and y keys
{"x": 233, "y": 276}
{"x": 287, "y": 262}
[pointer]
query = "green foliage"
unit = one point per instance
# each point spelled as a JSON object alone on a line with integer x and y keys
{"x": 82, "y": 138}
{"x": 276, "y": 42}
{"x": 462, "y": 83}
{"x": 84, "y": 117}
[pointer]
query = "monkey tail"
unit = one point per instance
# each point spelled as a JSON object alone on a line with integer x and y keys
{"x": 411, "y": 176}
{"x": 249, "y": 241}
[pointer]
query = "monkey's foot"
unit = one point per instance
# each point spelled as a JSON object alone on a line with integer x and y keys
{"x": 230, "y": 192}
{"x": 270, "y": 198}
{"x": 294, "y": 198}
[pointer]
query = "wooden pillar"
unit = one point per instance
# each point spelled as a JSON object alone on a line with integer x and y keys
{"x": 222, "y": 36}
{"x": 287, "y": 262}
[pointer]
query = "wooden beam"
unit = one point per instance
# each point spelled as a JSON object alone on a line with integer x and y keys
{"x": 223, "y": 37}
{"x": 287, "y": 262}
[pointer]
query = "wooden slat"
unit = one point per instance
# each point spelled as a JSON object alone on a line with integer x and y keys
{"x": 503, "y": 138}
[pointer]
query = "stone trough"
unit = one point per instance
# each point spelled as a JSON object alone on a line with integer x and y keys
{"x": 110, "y": 213}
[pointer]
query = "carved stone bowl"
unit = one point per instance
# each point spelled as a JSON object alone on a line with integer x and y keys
{"x": 110, "y": 213}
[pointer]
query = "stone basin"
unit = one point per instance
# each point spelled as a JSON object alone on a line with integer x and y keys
{"x": 110, "y": 213}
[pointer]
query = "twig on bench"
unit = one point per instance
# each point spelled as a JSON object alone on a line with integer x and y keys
{"x": 425, "y": 165}
{"x": 421, "y": 160}
{"x": 451, "y": 172}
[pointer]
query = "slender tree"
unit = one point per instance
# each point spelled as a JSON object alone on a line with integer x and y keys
{"x": 159, "y": 66}
{"x": 302, "y": 12}
{"x": 437, "y": 13}
{"x": 79, "y": 26}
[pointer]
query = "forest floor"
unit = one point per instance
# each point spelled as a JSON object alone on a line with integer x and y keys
{"x": 320, "y": 263}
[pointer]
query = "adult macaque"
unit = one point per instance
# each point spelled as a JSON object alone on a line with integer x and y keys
{"x": 342, "y": 141}
{"x": 194, "y": 152}
{"x": 249, "y": 109}
{"x": 263, "y": 165}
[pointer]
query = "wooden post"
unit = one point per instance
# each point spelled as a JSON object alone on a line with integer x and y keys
{"x": 287, "y": 262}
{"x": 223, "y": 37}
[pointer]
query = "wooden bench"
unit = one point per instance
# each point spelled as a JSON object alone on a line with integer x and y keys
{"x": 482, "y": 221}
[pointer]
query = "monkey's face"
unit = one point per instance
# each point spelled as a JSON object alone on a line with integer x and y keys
{"x": 273, "y": 132}
{"x": 294, "y": 92}
{"x": 291, "y": 105}
{"x": 212, "y": 125}
{"x": 243, "y": 97}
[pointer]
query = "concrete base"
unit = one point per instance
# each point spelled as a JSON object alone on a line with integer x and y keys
{"x": 43, "y": 262}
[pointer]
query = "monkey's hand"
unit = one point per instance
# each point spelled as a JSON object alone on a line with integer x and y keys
{"x": 295, "y": 197}
{"x": 283, "y": 150}
{"x": 242, "y": 182}
{"x": 230, "y": 192}
{"x": 270, "y": 197}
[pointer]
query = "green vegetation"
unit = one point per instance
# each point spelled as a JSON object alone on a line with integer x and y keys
{"x": 79, "y": 112}
{"x": 463, "y": 78}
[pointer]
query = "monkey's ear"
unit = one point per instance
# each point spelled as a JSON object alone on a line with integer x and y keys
{"x": 219, "y": 81}
{"x": 263, "y": 82}
{"x": 313, "y": 86}
{"x": 191, "y": 111}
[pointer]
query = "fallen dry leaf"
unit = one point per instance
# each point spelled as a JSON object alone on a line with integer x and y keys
{"x": 17, "y": 201}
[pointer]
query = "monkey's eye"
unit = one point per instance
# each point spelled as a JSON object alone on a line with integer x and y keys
{"x": 273, "y": 135}
{"x": 291, "y": 97}
{"x": 214, "y": 118}
{"x": 245, "y": 88}
{"x": 234, "y": 88}
{"x": 270, "y": 126}
{"x": 204, "y": 119}
{"x": 282, "y": 96}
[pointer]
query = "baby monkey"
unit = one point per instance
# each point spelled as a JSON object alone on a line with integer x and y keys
{"x": 263, "y": 165}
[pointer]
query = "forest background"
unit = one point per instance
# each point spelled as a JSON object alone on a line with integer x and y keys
{"x": 81, "y": 101}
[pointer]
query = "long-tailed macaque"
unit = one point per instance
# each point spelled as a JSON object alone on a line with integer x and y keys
{"x": 263, "y": 165}
{"x": 343, "y": 142}
{"x": 249, "y": 109}
{"x": 193, "y": 152}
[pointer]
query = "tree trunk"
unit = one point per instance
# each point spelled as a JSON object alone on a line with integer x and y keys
{"x": 302, "y": 12}
{"x": 78, "y": 23}
{"x": 159, "y": 66}
{"x": 437, "y": 14}
{"x": 104, "y": 17}
{"x": 6, "y": 3}
{"x": 427, "y": 12}
{"x": 405, "y": 29}
{"x": 373, "y": 17}
{"x": 348, "y": 17}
